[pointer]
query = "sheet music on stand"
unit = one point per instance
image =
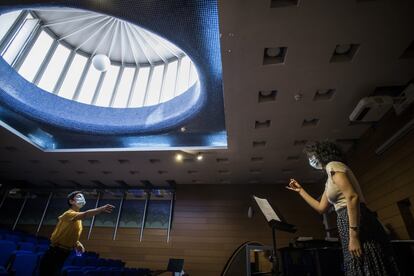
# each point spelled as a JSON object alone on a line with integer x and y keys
{"x": 273, "y": 217}
{"x": 266, "y": 209}
{"x": 275, "y": 221}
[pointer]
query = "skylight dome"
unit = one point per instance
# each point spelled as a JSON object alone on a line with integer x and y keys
{"x": 54, "y": 47}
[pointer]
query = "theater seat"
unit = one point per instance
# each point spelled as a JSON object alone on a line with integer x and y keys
{"x": 26, "y": 246}
{"x": 6, "y": 251}
{"x": 42, "y": 248}
{"x": 24, "y": 263}
{"x": 12, "y": 237}
{"x": 30, "y": 239}
{"x": 74, "y": 272}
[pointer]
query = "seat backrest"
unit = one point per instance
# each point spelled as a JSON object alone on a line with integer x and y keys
{"x": 79, "y": 261}
{"x": 6, "y": 251}
{"x": 42, "y": 247}
{"x": 91, "y": 261}
{"x": 74, "y": 272}
{"x": 24, "y": 264}
{"x": 27, "y": 246}
{"x": 12, "y": 237}
{"x": 43, "y": 241}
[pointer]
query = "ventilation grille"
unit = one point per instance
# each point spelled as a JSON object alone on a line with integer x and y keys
{"x": 262, "y": 124}
{"x": 259, "y": 144}
{"x": 310, "y": 122}
{"x": 324, "y": 94}
{"x": 255, "y": 171}
{"x": 293, "y": 158}
{"x": 222, "y": 160}
{"x": 283, "y": 3}
{"x": 122, "y": 183}
{"x": 300, "y": 142}
{"x": 98, "y": 183}
{"x": 257, "y": 159}
{"x": 223, "y": 171}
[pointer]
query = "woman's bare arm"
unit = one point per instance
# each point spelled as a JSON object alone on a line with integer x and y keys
{"x": 320, "y": 206}
{"x": 352, "y": 198}
{"x": 352, "y": 204}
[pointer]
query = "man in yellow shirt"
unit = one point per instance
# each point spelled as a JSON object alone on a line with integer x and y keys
{"x": 67, "y": 232}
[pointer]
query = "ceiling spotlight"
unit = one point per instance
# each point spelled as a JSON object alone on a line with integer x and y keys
{"x": 199, "y": 157}
{"x": 179, "y": 157}
{"x": 273, "y": 52}
{"x": 342, "y": 49}
{"x": 183, "y": 129}
{"x": 101, "y": 62}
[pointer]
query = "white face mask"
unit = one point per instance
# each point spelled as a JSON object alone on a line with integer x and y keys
{"x": 79, "y": 200}
{"x": 314, "y": 162}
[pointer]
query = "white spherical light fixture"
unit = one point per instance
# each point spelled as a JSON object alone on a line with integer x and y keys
{"x": 101, "y": 62}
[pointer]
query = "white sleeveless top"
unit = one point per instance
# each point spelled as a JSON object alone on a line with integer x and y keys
{"x": 333, "y": 193}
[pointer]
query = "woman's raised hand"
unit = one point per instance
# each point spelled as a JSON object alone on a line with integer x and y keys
{"x": 294, "y": 186}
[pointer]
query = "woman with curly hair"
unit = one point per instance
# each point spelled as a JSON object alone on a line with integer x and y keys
{"x": 365, "y": 245}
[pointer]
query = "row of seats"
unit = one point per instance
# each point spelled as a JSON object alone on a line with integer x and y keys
{"x": 20, "y": 262}
{"x": 105, "y": 271}
{"x": 20, "y": 255}
{"x": 89, "y": 264}
{"x": 22, "y": 237}
{"x": 92, "y": 259}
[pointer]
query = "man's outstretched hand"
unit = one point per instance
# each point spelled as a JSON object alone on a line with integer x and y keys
{"x": 108, "y": 208}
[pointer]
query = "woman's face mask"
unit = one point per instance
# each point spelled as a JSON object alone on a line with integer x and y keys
{"x": 79, "y": 200}
{"x": 314, "y": 162}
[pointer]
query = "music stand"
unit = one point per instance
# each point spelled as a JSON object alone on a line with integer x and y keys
{"x": 276, "y": 221}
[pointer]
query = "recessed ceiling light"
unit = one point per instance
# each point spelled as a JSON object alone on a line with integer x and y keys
{"x": 199, "y": 157}
{"x": 274, "y": 55}
{"x": 342, "y": 49}
{"x": 179, "y": 157}
{"x": 183, "y": 129}
{"x": 273, "y": 52}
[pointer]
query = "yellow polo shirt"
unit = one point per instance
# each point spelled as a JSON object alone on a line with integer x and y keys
{"x": 68, "y": 231}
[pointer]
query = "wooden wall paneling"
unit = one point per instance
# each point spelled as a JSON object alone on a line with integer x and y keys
{"x": 388, "y": 178}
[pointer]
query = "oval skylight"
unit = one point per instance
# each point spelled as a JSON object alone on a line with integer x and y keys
{"x": 53, "y": 48}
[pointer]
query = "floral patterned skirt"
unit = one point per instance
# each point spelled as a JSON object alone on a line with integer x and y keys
{"x": 377, "y": 258}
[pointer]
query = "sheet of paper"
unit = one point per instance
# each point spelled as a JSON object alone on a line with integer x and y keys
{"x": 266, "y": 209}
